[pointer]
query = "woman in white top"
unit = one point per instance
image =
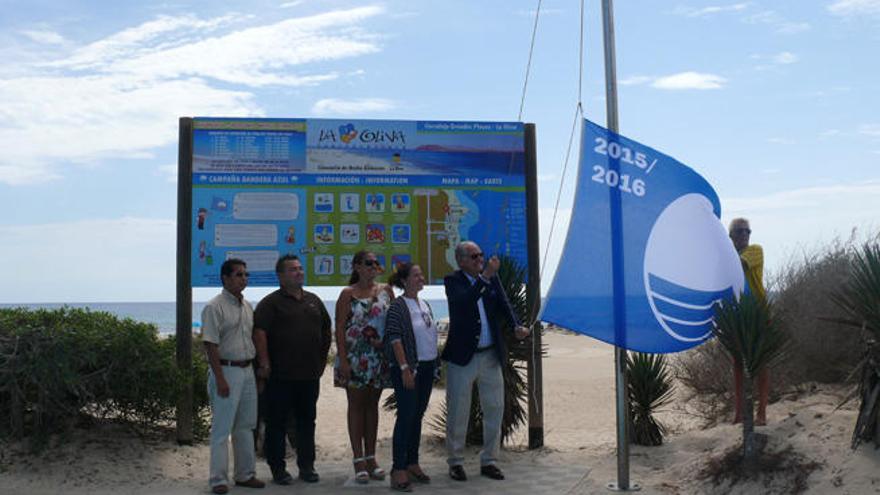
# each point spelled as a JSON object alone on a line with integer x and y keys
{"x": 411, "y": 348}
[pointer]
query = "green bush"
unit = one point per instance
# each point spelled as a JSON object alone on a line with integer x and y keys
{"x": 649, "y": 388}
{"x": 57, "y": 365}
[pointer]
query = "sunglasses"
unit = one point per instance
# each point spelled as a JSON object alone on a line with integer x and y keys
{"x": 426, "y": 319}
{"x": 476, "y": 256}
{"x": 369, "y": 263}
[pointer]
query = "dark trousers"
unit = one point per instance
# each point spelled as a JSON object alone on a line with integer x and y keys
{"x": 283, "y": 398}
{"x": 411, "y": 405}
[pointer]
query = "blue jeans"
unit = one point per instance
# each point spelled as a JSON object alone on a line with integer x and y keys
{"x": 411, "y": 405}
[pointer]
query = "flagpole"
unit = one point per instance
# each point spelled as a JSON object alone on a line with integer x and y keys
{"x": 623, "y": 482}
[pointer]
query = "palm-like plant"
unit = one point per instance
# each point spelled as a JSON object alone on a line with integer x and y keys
{"x": 649, "y": 388}
{"x": 749, "y": 331}
{"x": 860, "y": 299}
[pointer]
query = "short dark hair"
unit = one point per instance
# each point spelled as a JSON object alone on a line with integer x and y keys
{"x": 401, "y": 273}
{"x": 229, "y": 265}
{"x": 279, "y": 265}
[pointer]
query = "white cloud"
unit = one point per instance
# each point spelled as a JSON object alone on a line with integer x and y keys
{"x": 103, "y": 259}
{"x": 689, "y": 80}
{"x": 830, "y": 133}
{"x": 339, "y": 106}
{"x": 635, "y": 80}
{"x": 780, "y": 24}
{"x": 817, "y": 197}
{"x": 793, "y": 27}
{"x": 122, "y": 95}
{"x": 54, "y": 119}
{"x": 854, "y": 7}
{"x": 711, "y": 10}
{"x": 682, "y": 80}
{"x": 45, "y": 37}
{"x": 781, "y": 58}
{"x": 784, "y": 58}
{"x": 872, "y": 130}
{"x": 293, "y": 3}
{"x": 256, "y": 56}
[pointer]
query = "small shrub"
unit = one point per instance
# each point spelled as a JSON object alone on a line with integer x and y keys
{"x": 749, "y": 332}
{"x": 859, "y": 299}
{"x": 56, "y": 365}
{"x": 800, "y": 292}
{"x": 649, "y": 388}
{"x": 706, "y": 373}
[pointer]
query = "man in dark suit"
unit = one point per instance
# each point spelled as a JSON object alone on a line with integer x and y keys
{"x": 474, "y": 352}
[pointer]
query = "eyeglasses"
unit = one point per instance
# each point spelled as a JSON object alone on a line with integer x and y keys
{"x": 742, "y": 230}
{"x": 241, "y": 274}
{"x": 475, "y": 256}
{"x": 369, "y": 263}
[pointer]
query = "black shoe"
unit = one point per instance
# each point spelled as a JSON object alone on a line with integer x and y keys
{"x": 491, "y": 471}
{"x": 251, "y": 483}
{"x": 309, "y": 475}
{"x": 457, "y": 473}
{"x": 282, "y": 477}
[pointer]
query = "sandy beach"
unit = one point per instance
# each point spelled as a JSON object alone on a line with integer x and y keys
{"x": 579, "y": 456}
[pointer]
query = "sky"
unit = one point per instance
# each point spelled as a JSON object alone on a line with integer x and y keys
{"x": 775, "y": 103}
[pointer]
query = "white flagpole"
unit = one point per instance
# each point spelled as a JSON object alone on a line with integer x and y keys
{"x": 623, "y": 482}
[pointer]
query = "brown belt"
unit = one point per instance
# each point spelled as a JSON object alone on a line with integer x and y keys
{"x": 240, "y": 364}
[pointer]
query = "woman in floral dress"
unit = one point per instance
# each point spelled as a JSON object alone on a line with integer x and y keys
{"x": 361, "y": 367}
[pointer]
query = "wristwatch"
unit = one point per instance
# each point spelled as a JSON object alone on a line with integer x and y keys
{"x": 404, "y": 367}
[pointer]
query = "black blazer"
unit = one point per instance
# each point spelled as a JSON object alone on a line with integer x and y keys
{"x": 464, "y": 316}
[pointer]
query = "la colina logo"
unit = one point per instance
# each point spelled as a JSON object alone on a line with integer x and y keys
{"x": 347, "y": 133}
{"x": 690, "y": 266}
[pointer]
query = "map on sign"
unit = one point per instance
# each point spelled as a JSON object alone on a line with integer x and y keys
{"x": 324, "y": 189}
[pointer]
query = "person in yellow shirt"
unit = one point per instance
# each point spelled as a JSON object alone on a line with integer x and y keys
{"x": 752, "y": 257}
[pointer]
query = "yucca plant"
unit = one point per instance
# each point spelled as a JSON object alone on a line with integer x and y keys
{"x": 860, "y": 299}
{"x": 649, "y": 388}
{"x": 748, "y": 330}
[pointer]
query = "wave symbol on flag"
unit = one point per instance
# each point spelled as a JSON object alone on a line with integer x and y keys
{"x": 690, "y": 265}
{"x": 685, "y": 314}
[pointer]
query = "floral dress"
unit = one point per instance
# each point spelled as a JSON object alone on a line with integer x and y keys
{"x": 365, "y": 326}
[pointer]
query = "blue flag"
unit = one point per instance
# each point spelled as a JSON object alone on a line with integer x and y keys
{"x": 676, "y": 258}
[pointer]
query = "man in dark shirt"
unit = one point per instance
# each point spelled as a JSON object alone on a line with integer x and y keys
{"x": 292, "y": 335}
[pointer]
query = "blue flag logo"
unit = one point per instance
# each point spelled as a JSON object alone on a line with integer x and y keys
{"x": 677, "y": 260}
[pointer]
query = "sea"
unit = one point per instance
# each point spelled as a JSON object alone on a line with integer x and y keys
{"x": 164, "y": 314}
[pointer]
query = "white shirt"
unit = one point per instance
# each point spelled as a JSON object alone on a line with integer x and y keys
{"x": 485, "y": 333}
{"x": 229, "y": 323}
{"x": 424, "y": 329}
